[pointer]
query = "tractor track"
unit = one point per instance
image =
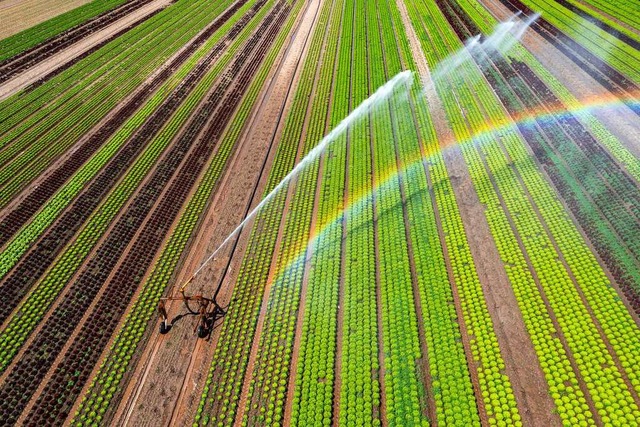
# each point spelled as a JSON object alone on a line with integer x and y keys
{"x": 26, "y": 273}
{"x": 97, "y": 330}
{"x": 618, "y": 204}
{"x": 245, "y": 403}
{"x": 244, "y": 70}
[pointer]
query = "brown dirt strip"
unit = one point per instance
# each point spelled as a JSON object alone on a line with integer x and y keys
{"x": 442, "y": 129}
{"x": 562, "y": 259}
{"x": 42, "y": 68}
{"x": 289, "y": 79}
{"x": 244, "y": 391}
{"x": 522, "y": 365}
{"x": 600, "y": 70}
{"x": 16, "y": 215}
{"x": 242, "y": 404}
{"x": 179, "y": 409}
{"x": 542, "y": 293}
{"x": 216, "y": 123}
{"x": 18, "y": 212}
{"x": 145, "y": 248}
{"x": 536, "y": 279}
{"x": 23, "y": 60}
{"x": 567, "y": 128}
{"x": 270, "y": 114}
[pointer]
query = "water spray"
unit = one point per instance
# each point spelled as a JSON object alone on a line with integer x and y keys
{"x": 505, "y": 35}
{"x": 208, "y": 315}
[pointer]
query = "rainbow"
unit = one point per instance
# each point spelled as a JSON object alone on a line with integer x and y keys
{"x": 389, "y": 178}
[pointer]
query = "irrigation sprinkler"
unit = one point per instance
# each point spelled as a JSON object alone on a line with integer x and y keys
{"x": 208, "y": 308}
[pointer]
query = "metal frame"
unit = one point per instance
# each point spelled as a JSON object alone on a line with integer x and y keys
{"x": 206, "y": 315}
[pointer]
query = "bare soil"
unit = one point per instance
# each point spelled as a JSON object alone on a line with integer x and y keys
{"x": 172, "y": 369}
{"x": 43, "y": 68}
{"x": 522, "y": 365}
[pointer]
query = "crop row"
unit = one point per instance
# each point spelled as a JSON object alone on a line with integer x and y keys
{"x": 598, "y": 19}
{"x": 597, "y": 66}
{"x": 47, "y": 290}
{"x": 52, "y": 405}
{"x": 451, "y": 388}
{"x": 108, "y": 381}
{"x": 555, "y": 252}
{"x": 404, "y": 362}
{"x": 33, "y": 202}
{"x": 30, "y": 147}
{"x": 38, "y": 53}
{"x": 620, "y": 9}
{"x": 531, "y": 308}
{"x": 600, "y": 202}
{"x": 58, "y": 25}
{"x": 495, "y": 387}
{"x": 61, "y": 89}
{"x": 37, "y": 261}
{"x": 224, "y": 384}
{"x": 268, "y": 384}
{"x": 360, "y": 394}
{"x": 603, "y": 300}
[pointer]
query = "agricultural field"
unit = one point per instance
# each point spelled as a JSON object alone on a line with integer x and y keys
{"x": 320, "y": 212}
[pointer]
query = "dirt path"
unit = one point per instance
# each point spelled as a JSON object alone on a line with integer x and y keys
{"x": 621, "y": 121}
{"x": 45, "y": 67}
{"x": 18, "y": 15}
{"x": 310, "y": 18}
{"x": 180, "y": 358}
{"x": 522, "y": 366}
